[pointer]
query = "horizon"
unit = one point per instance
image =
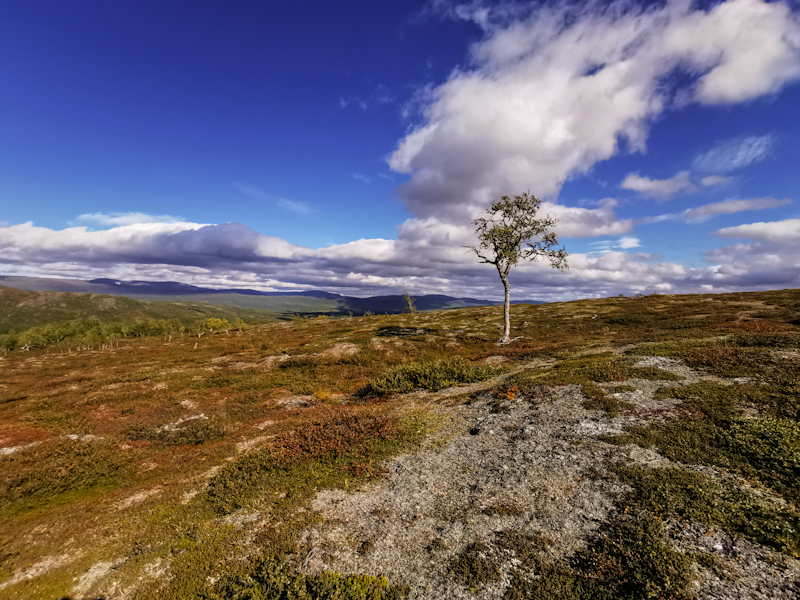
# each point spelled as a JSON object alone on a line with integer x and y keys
{"x": 305, "y": 147}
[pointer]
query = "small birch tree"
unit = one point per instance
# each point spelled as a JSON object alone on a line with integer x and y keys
{"x": 507, "y": 237}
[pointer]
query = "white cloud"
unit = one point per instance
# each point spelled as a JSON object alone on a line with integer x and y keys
{"x": 548, "y": 96}
{"x": 781, "y": 232}
{"x": 661, "y": 189}
{"x": 628, "y": 242}
{"x": 715, "y": 180}
{"x": 729, "y": 207}
{"x": 129, "y": 218}
{"x": 586, "y": 222}
{"x": 733, "y": 155}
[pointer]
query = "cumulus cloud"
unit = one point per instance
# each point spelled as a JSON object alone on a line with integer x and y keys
{"x": 548, "y": 95}
{"x": 736, "y": 154}
{"x": 579, "y": 222}
{"x": 660, "y": 189}
{"x": 782, "y": 232}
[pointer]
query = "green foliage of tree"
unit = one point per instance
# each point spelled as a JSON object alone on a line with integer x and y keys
{"x": 410, "y": 302}
{"x": 505, "y": 239}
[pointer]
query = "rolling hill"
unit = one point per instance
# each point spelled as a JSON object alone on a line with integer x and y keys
{"x": 283, "y": 304}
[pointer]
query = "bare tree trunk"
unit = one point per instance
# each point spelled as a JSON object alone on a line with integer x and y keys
{"x": 506, "y": 311}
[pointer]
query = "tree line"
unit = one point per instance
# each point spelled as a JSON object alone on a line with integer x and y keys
{"x": 93, "y": 331}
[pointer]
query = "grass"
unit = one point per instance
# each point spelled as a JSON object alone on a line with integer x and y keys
{"x": 337, "y": 448}
{"x": 58, "y": 472}
{"x": 271, "y": 453}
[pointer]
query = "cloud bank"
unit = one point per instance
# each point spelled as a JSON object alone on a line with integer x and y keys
{"x": 547, "y": 97}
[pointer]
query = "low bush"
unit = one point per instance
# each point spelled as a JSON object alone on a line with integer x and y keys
{"x": 270, "y": 579}
{"x": 430, "y": 375}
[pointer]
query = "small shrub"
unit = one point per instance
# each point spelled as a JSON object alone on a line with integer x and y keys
{"x": 57, "y": 469}
{"x": 430, "y": 375}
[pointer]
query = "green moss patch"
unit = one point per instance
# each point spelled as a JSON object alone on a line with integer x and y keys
{"x": 598, "y": 399}
{"x": 694, "y": 496}
{"x": 475, "y": 565}
{"x": 269, "y": 579}
{"x": 605, "y": 367}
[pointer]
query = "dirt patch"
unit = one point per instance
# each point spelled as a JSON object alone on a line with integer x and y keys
{"x": 524, "y": 458}
{"x": 137, "y": 498}
{"x": 341, "y": 350}
{"x": 96, "y": 572}
{"x": 40, "y": 568}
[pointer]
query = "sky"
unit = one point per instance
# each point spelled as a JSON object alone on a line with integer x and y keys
{"x": 348, "y": 146}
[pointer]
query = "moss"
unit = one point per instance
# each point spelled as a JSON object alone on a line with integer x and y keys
{"x": 771, "y": 446}
{"x": 621, "y": 389}
{"x": 630, "y": 559}
{"x": 598, "y": 399}
{"x": 605, "y": 367}
{"x": 474, "y": 566}
{"x": 685, "y": 494}
{"x": 712, "y": 400}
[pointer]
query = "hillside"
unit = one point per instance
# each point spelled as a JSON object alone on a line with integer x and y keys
{"x": 619, "y": 448}
{"x": 21, "y": 309}
{"x": 287, "y": 304}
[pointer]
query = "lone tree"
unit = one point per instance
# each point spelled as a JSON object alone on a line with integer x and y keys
{"x": 506, "y": 238}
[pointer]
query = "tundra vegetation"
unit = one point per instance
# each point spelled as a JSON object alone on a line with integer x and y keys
{"x": 214, "y": 467}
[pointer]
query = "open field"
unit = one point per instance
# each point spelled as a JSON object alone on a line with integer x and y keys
{"x": 621, "y": 448}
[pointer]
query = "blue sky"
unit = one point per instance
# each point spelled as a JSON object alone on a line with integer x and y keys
{"x": 347, "y": 146}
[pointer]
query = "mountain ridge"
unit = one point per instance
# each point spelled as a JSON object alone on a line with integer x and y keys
{"x": 307, "y": 302}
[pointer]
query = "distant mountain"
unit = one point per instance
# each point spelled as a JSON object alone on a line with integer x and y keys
{"x": 285, "y": 304}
